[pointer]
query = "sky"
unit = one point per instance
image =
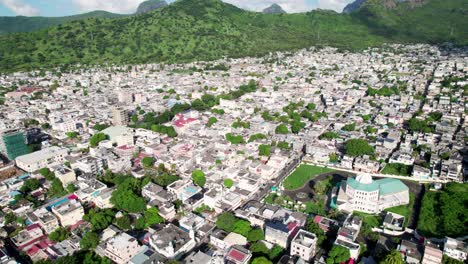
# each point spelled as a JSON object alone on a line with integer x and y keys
{"x": 72, "y": 7}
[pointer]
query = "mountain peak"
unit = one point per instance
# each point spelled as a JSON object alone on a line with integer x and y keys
{"x": 274, "y": 9}
{"x": 150, "y": 5}
{"x": 388, "y": 4}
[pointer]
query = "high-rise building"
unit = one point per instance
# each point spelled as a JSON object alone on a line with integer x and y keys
{"x": 13, "y": 143}
{"x": 120, "y": 117}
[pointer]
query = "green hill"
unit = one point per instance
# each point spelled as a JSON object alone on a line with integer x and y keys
{"x": 27, "y": 24}
{"x": 204, "y": 30}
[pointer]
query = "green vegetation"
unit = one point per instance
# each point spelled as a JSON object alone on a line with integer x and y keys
{"x": 281, "y": 129}
{"x": 199, "y": 178}
{"x": 258, "y": 136}
{"x": 147, "y": 162}
{"x": 329, "y": 135}
{"x": 358, "y": 147}
{"x": 167, "y": 130}
{"x": 338, "y": 254}
{"x": 255, "y": 235}
{"x": 90, "y": 240}
{"x": 264, "y": 150}
{"x": 397, "y": 169}
{"x": 229, "y": 223}
{"x": 384, "y": 91}
{"x": 235, "y": 139}
{"x": 26, "y": 24}
{"x": 99, "y": 219}
{"x": 394, "y": 257}
{"x": 72, "y": 134}
{"x": 96, "y": 139}
{"x": 349, "y": 127}
{"x": 211, "y": 121}
{"x": 228, "y": 183}
{"x": 240, "y": 124}
{"x": 127, "y": 196}
{"x": 211, "y": 29}
{"x": 203, "y": 208}
{"x": 449, "y": 260}
{"x": 420, "y": 125}
{"x": 444, "y": 213}
{"x": 59, "y": 234}
{"x": 100, "y": 127}
{"x": 302, "y": 175}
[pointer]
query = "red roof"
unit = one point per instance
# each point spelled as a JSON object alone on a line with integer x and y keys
{"x": 182, "y": 121}
{"x": 292, "y": 226}
{"x": 73, "y": 197}
{"x": 33, "y": 226}
{"x": 237, "y": 255}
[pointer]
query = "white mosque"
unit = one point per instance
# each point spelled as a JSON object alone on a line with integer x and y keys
{"x": 371, "y": 196}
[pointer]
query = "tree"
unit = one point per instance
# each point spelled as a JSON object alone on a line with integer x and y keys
{"x": 349, "y": 127}
{"x": 56, "y": 189}
{"x": 261, "y": 260}
{"x": 126, "y": 197}
{"x": 281, "y": 129}
{"x": 235, "y": 139}
{"x": 134, "y": 118}
{"x": 70, "y": 188}
{"x": 333, "y": 157}
{"x": 123, "y": 222}
{"x": 152, "y": 217}
{"x": 96, "y": 138}
{"x": 275, "y": 252}
{"x": 100, "y": 219}
{"x": 242, "y": 227}
{"x": 338, "y": 254}
{"x": 30, "y": 184}
{"x": 59, "y": 234}
{"x": 147, "y": 162}
{"x": 314, "y": 228}
{"x": 255, "y": 234}
{"x": 448, "y": 260}
{"x": 100, "y": 127}
{"x": 199, "y": 178}
{"x": 72, "y": 134}
{"x": 358, "y": 147}
{"x": 90, "y": 240}
{"x": 264, "y": 150}
{"x": 226, "y": 221}
{"x": 259, "y": 247}
{"x": 311, "y": 106}
{"x": 394, "y": 257}
{"x": 211, "y": 121}
{"x": 228, "y": 183}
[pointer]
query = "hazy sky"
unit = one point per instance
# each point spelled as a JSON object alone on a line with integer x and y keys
{"x": 70, "y": 7}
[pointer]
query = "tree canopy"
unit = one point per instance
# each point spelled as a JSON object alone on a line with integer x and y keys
{"x": 338, "y": 254}
{"x": 199, "y": 178}
{"x": 358, "y": 147}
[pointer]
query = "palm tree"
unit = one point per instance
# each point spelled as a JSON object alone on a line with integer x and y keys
{"x": 394, "y": 257}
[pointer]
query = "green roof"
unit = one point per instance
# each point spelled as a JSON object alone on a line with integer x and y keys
{"x": 389, "y": 185}
{"x": 361, "y": 186}
{"x": 385, "y": 186}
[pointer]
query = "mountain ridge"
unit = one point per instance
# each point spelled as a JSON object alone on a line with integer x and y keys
{"x": 189, "y": 30}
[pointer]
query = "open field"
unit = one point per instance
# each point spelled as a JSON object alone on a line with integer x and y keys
{"x": 302, "y": 175}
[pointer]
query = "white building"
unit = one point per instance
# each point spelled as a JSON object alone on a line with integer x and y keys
{"x": 68, "y": 212}
{"x": 366, "y": 195}
{"x": 41, "y": 159}
{"x": 303, "y": 245}
{"x": 172, "y": 242}
{"x": 121, "y": 248}
{"x": 455, "y": 249}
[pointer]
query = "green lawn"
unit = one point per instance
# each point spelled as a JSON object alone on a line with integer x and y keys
{"x": 369, "y": 219}
{"x": 303, "y": 174}
{"x": 404, "y": 210}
